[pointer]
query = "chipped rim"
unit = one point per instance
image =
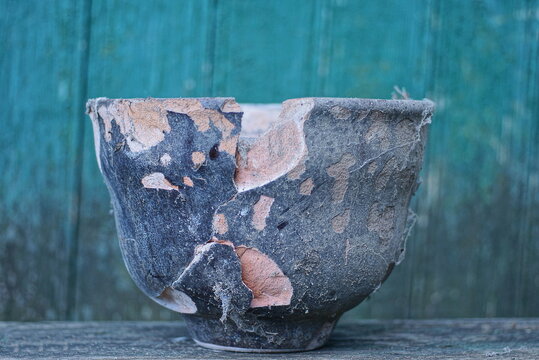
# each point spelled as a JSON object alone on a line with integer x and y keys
{"x": 407, "y": 105}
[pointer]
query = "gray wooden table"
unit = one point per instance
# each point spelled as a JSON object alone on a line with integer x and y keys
{"x": 406, "y": 339}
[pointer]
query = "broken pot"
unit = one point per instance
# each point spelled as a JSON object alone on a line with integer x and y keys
{"x": 262, "y": 231}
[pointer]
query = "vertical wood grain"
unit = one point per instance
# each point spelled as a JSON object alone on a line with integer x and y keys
{"x": 474, "y": 231}
{"x": 40, "y": 71}
{"x": 473, "y": 251}
{"x": 264, "y": 50}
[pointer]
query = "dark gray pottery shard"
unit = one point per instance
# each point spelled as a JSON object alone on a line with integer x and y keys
{"x": 262, "y": 236}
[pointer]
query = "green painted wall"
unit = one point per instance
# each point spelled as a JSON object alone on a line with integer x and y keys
{"x": 475, "y": 249}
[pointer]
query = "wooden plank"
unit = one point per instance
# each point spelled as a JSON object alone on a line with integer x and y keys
{"x": 264, "y": 50}
{"x": 473, "y": 250}
{"x": 158, "y": 49}
{"x": 470, "y": 252}
{"x": 473, "y": 219}
{"x": 40, "y": 71}
{"x": 411, "y": 339}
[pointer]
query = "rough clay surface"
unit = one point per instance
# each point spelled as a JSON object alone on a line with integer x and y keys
{"x": 289, "y": 223}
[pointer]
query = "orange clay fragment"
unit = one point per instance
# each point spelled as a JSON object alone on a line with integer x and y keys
{"x": 270, "y": 286}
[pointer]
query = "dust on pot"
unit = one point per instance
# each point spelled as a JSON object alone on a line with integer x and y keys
{"x": 263, "y": 225}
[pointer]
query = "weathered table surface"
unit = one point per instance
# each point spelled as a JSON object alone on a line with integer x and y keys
{"x": 406, "y": 339}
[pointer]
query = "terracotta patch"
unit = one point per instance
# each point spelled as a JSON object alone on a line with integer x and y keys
{"x": 177, "y": 301}
{"x": 340, "y": 222}
{"x": 187, "y": 181}
{"x": 270, "y": 156}
{"x": 157, "y": 180}
{"x": 277, "y": 151}
{"x": 229, "y": 145}
{"x": 220, "y": 225}
{"x": 201, "y": 117}
{"x": 269, "y": 285}
{"x": 296, "y": 172}
{"x": 261, "y": 211}
{"x": 230, "y": 105}
{"x": 221, "y": 123}
{"x": 340, "y": 171}
{"x": 306, "y": 187}
{"x": 143, "y": 122}
{"x": 192, "y": 108}
{"x": 198, "y": 158}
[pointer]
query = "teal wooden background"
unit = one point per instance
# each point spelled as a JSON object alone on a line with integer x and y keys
{"x": 475, "y": 248}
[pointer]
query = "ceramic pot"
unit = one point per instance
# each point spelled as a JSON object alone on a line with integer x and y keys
{"x": 261, "y": 236}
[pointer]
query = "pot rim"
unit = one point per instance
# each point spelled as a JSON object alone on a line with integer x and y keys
{"x": 407, "y": 105}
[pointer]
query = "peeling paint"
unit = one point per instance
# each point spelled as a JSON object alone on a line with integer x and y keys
{"x": 177, "y": 301}
{"x": 165, "y": 159}
{"x": 198, "y": 158}
{"x": 277, "y": 151}
{"x": 270, "y": 286}
{"x": 296, "y": 172}
{"x": 202, "y": 117}
{"x": 187, "y": 181}
{"x": 340, "y": 222}
{"x": 229, "y": 145}
{"x": 221, "y": 123}
{"x": 340, "y": 171}
{"x": 306, "y": 187}
{"x": 157, "y": 180}
{"x": 220, "y": 225}
{"x": 143, "y": 122}
{"x": 230, "y": 105}
{"x": 261, "y": 211}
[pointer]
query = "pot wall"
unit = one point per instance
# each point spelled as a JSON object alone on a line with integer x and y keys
{"x": 302, "y": 222}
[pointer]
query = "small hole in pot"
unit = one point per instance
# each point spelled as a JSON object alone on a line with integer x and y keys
{"x": 282, "y": 225}
{"x": 214, "y": 152}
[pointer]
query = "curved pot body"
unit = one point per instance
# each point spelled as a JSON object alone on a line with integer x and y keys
{"x": 261, "y": 237}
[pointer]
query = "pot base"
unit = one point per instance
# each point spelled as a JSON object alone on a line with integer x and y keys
{"x": 260, "y": 335}
{"x": 245, "y": 350}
